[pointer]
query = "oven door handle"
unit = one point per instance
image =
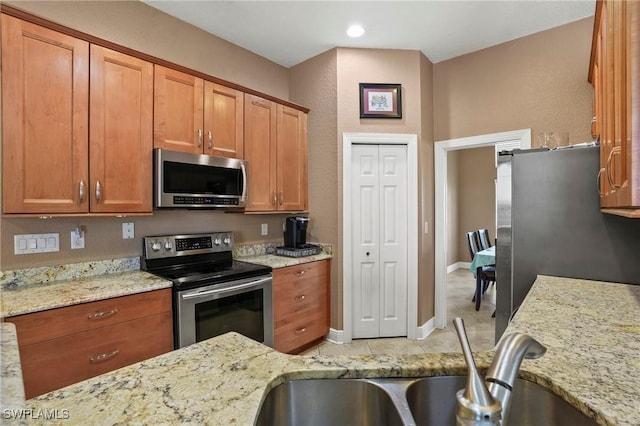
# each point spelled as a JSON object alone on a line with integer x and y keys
{"x": 226, "y": 289}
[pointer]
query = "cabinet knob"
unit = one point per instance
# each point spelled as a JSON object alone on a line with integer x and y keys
{"x": 300, "y": 298}
{"x": 368, "y": 253}
{"x": 199, "y": 138}
{"x": 301, "y": 330}
{"x": 210, "y": 136}
{"x": 98, "y": 191}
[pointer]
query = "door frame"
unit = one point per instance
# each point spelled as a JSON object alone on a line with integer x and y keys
{"x": 502, "y": 141}
{"x": 411, "y": 141}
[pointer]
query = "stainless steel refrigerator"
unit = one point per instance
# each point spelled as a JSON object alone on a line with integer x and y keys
{"x": 549, "y": 223}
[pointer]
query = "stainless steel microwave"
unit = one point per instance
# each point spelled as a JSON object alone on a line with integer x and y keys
{"x": 185, "y": 180}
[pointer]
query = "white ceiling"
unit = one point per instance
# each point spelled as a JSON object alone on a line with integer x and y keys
{"x": 290, "y": 32}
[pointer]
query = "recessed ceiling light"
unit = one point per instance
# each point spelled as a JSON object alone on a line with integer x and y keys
{"x": 355, "y": 30}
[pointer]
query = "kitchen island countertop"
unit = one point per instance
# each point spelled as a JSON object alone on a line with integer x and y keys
{"x": 591, "y": 331}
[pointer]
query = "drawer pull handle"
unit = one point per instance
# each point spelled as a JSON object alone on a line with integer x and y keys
{"x": 103, "y": 357}
{"x": 301, "y": 330}
{"x": 103, "y": 314}
{"x": 299, "y": 273}
{"x": 300, "y": 298}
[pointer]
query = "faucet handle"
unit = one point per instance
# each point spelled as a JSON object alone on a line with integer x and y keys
{"x": 475, "y": 402}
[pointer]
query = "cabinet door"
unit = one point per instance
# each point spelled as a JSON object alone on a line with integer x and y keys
{"x": 178, "y": 106}
{"x": 121, "y": 129}
{"x": 260, "y": 152}
{"x": 223, "y": 121}
{"x": 292, "y": 159}
{"x": 45, "y": 91}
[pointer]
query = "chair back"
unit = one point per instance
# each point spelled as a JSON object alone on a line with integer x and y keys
{"x": 472, "y": 240}
{"x": 485, "y": 242}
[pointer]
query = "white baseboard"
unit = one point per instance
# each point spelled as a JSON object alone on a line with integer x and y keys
{"x": 335, "y": 336}
{"x": 458, "y": 265}
{"x": 426, "y": 329}
{"x": 422, "y": 332}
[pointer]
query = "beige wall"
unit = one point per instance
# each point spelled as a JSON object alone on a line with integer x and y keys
{"x": 314, "y": 84}
{"x": 537, "y": 82}
{"x": 140, "y": 27}
{"x": 476, "y": 196}
{"x": 341, "y": 101}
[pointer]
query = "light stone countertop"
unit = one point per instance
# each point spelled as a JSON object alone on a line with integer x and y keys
{"x": 591, "y": 331}
{"x": 26, "y": 299}
{"x": 281, "y": 261}
{"x": 12, "y": 390}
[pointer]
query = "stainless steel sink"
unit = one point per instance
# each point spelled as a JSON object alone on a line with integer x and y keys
{"x": 390, "y": 402}
{"x": 432, "y": 401}
{"x": 328, "y": 402}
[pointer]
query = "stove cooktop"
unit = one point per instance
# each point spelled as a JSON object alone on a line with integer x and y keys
{"x": 189, "y": 276}
{"x": 196, "y": 260}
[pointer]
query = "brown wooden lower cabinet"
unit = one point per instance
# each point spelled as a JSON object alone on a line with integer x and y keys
{"x": 52, "y": 363}
{"x": 300, "y": 305}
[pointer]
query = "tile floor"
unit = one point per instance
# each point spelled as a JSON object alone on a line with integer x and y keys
{"x": 479, "y": 325}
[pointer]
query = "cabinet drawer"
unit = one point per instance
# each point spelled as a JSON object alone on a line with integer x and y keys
{"x": 290, "y": 298}
{"x": 302, "y": 271}
{"x": 63, "y": 361}
{"x": 55, "y": 323}
{"x": 301, "y": 331}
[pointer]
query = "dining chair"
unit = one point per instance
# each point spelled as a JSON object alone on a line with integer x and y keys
{"x": 485, "y": 275}
{"x": 485, "y": 242}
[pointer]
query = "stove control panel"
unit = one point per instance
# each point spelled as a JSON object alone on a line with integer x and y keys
{"x": 181, "y": 245}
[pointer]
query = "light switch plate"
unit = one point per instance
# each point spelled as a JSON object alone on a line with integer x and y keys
{"x": 128, "y": 230}
{"x": 265, "y": 229}
{"x": 36, "y": 243}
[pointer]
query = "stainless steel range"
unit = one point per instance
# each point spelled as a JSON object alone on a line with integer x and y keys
{"x": 212, "y": 293}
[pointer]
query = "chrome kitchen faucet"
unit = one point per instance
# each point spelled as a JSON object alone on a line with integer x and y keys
{"x": 486, "y": 402}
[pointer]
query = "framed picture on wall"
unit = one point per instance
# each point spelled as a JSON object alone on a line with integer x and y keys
{"x": 380, "y": 100}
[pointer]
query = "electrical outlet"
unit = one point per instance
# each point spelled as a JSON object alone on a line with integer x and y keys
{"x": 77, "y": 239}
{"x": 127, "y": 230}
{"x": 265, "y": 229}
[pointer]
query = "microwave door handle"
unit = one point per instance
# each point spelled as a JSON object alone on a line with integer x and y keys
{"x": 225, "y": 290}
{"x": 244, "y": 181}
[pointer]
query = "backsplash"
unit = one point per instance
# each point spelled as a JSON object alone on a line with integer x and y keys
{"x": 45, "y": 274}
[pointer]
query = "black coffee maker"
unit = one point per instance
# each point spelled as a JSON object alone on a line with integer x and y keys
{"x": 295, "y": 231}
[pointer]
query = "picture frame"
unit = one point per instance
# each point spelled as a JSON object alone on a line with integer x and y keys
{"x": 380, "y": 100}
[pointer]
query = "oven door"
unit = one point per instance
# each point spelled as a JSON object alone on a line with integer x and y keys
{"x": 244, "y": 306}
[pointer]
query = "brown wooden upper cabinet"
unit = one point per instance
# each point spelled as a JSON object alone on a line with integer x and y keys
{"x": 68, "y": 149}
{"x": 615, "y": 75}
{"x": 195, "y": 115}
{"x": 276, "y": 150}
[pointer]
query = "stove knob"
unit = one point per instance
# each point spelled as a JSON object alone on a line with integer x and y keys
{"x": 156, "y": 246}
{"x": 168, "y": 245}
{"x": 216, "y": 241}
{"x": 227, "y": 240}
